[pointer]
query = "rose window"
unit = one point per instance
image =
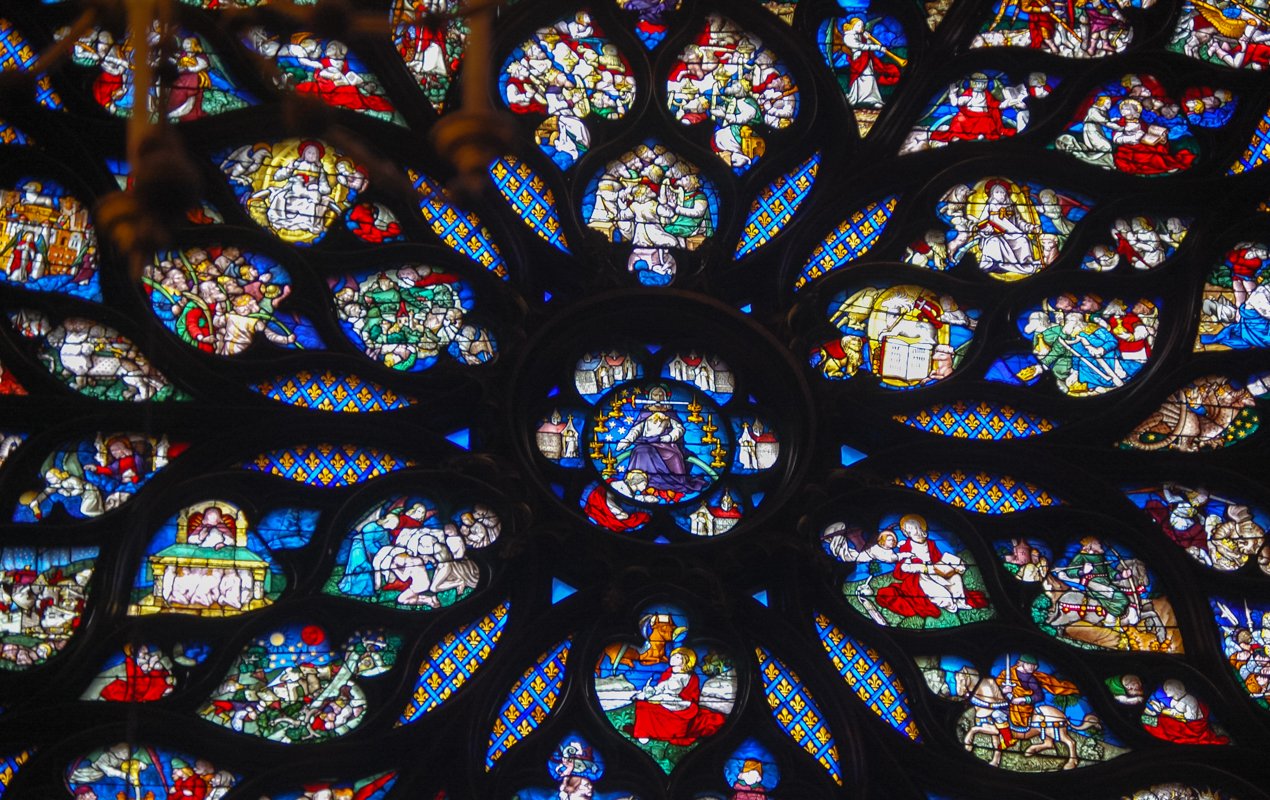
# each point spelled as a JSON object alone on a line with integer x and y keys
{"x": 657, "y": 399}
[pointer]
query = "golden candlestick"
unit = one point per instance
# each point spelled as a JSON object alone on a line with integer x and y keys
{"x": 710, "y": 428}
{"x": 718, "y": 452}
{"x": 694, "y": 410}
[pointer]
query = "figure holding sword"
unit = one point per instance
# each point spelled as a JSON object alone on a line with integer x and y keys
{"x": 654, "y": 445}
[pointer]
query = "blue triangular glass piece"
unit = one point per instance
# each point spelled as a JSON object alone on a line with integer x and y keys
{"x": 850, "y": 455}
{"x": 560, "y": 590}
{"x": 747, "y": 308}
{"x": 653, "y": 348}
{"x": 558, "y": 489}
{"x": 461, "y": 437}
{"x": 546, "y": 297}
{"x": 757, "y": 498}
{"x": 753, "y": 400}
{"x": 1010, "y": 369}
{"x": 661, "y": 540}
{"x": 555, "y": 390}
{"x": 761, "y": 597}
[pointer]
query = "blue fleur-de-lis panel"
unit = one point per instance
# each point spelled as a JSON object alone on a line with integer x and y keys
{"x": 797, "y": 714}
{"x": 9, "y": 766}
{"x": 328, "y": 391}
{"x": 1257, "y": 152}
{"x": 963, "y": 420}
{"x": 461, "y": 231}
{"x": 530, "y": 197}
{"x": 871, "y": 676}
{"x": 982, "y": 492}
{"x": 776, "y": 205}
{"x": 852, "y": 239}
{"x": 327, "y": 465}
{"x": 453, "y": 660}
{"x": 530, "y": 700}
{"x": 17, "y": 53}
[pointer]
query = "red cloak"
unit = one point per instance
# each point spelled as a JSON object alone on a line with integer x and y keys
{"x": 906, "y": 598}
{"x": 653, "y": 721}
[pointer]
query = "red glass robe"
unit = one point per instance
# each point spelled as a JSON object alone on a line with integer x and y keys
{"x": 906, "y": 596}
{"x": 137, "y": 685}
{"x": 1151, "y": 159}
{"x": 598, "y": 511}
{"x": 343, "y": 95}
{"x": 969, "y": 123}
{"x": 1172, "y": 729}
{"x": 653, "y": 721}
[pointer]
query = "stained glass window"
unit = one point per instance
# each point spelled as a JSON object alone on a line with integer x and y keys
{"x": 627, "y": 399}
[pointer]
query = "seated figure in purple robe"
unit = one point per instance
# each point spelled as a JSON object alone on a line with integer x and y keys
{"x": 655, "y": 442}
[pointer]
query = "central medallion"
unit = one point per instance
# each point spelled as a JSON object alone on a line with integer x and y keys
{"x": 661, "y": 442}
{"x": 659, "y": 437}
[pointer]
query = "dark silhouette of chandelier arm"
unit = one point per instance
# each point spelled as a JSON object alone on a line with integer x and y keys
{"x": 474, "y": 135}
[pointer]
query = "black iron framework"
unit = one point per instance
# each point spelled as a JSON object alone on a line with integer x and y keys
{"x": 746, "y": 308}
